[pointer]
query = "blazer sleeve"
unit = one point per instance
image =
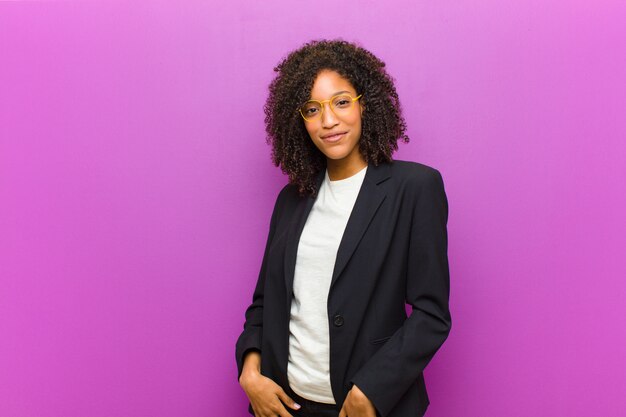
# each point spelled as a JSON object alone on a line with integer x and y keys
{"x": 250, "y": 338}
{"x": 389, "y": 373}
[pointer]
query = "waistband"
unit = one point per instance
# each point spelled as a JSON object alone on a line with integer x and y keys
{"x": 311, "y": 405}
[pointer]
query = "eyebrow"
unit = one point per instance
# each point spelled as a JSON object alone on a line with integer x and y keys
{"x": 338, "y": 92}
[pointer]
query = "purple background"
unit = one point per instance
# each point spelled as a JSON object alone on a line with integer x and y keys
{"x": 136, "y": 189}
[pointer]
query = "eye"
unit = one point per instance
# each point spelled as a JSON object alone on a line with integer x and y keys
{"x": 342, "y": 102}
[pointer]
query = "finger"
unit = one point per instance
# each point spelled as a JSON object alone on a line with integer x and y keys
{"x": 269, "y": 413}
{"x": 287, "y": 400}
{"x": 343, "y": 413}
{"x": 283, "y": 412}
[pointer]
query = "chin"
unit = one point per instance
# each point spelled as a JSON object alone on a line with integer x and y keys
{"x": 336, "y": 157}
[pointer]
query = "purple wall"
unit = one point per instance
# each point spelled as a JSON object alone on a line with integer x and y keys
{"x": 136, "y": 189}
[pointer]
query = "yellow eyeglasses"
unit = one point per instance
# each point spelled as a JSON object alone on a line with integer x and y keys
{"x": 341, "y": 104}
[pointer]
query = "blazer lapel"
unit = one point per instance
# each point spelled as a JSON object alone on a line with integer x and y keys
{"x": 367, "y": 202}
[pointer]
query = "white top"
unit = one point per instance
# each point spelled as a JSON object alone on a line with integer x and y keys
{"x": 308, "y": 368}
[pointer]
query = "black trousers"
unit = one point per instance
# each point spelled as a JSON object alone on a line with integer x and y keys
{"x": 311, "y": 408}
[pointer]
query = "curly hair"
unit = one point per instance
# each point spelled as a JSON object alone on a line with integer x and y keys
{"x": 382, "y": 121}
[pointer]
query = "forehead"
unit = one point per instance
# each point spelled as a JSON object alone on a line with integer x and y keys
{"x": 328, "y": 83}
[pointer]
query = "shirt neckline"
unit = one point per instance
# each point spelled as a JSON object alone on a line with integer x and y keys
{"x": 347, "y": 180}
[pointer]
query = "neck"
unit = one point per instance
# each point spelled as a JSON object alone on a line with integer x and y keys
{"x": 342, "y": 169}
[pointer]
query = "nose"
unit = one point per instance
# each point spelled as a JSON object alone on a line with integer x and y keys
{"x": 329, "y": 119}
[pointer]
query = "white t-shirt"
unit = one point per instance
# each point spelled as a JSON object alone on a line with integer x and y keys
{"x": 308, "y": 369}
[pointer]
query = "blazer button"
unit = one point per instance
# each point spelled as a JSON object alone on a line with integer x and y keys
{"x": 338, "y": 320}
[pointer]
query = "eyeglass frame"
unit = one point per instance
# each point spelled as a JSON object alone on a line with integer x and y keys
{"x": 321, "y": 103}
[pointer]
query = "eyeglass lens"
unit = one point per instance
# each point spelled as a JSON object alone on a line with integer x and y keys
{"x": 338, "y": 104}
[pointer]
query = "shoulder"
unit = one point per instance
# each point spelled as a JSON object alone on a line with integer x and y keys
{"x": 415, "y": 173}
{"x": 423, "y": 186}
{"x": 288, "y": 192}
{"x": 287, "y": 197}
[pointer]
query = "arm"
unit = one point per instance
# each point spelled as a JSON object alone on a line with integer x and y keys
{"x": 266, "y": 397}
{"x": 250, "y": 338}
{"x": 397, "y": 365}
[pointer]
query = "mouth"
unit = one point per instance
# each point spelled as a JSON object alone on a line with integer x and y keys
{"x": 333, "y": 138}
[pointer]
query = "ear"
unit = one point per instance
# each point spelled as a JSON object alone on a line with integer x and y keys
{"x": 362, "y": 108}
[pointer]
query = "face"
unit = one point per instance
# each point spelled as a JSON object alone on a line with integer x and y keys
{"x": 344, "y": 148}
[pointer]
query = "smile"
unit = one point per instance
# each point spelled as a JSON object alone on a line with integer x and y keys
{"x": 334, "y": 138}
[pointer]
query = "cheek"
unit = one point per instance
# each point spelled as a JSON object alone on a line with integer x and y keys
{"x": 311, "y": 132}
{"x": 356, "y": 120}
{"x": 356, "y": 123}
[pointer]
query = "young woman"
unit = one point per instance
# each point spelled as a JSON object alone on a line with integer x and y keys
{"x": 354, "y": 237}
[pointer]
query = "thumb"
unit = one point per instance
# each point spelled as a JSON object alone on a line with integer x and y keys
{"x": 287, "y": 400}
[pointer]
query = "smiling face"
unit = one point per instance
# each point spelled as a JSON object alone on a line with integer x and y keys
{"x": 342, "y": 150}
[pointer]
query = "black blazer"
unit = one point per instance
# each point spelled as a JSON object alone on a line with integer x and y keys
{"x": 393, "y": 250}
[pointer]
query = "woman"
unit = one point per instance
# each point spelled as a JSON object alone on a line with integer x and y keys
{"x": 354, "y": 236}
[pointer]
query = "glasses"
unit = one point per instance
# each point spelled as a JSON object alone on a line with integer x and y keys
{"x": 341, "y": 104}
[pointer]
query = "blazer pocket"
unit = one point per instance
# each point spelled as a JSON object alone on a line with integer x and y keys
{"x": 379, "y": 341}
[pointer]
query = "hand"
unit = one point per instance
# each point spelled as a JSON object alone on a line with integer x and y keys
{"x": 357, "y": 405}
{"x": 265, "y": 396}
